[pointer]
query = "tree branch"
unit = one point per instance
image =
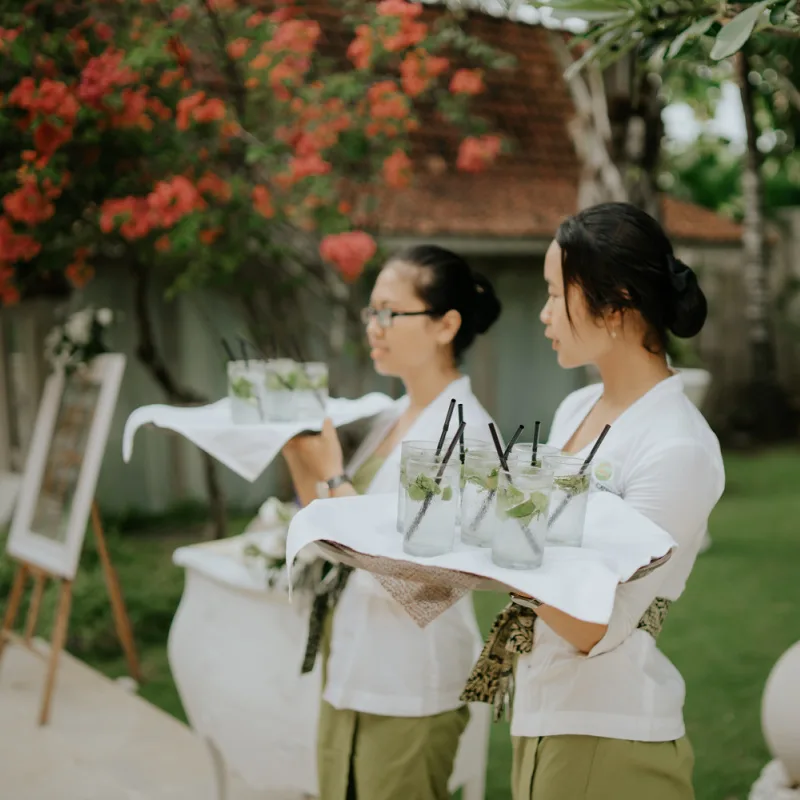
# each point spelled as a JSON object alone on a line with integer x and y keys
{"x": 236, "y": 85}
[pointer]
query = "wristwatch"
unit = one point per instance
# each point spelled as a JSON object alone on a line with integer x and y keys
{"x": 526, "y": 602}
{"x": 324, "y": 488}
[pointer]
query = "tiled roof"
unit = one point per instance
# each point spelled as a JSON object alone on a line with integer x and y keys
{"x": 528, "y": 192}
{"x": 520, "y": 204}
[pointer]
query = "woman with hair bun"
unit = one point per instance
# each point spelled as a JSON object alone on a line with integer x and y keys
{"x": 598, "y": 709}
{"x": 391, "y": 716}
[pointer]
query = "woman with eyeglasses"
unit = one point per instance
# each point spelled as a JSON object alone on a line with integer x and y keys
{"x": 391, "y": 717}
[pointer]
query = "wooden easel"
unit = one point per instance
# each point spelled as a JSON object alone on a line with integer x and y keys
{"x": 59, "y": 636}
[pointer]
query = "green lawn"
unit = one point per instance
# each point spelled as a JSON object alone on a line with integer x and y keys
{"x": 738, "y": 615}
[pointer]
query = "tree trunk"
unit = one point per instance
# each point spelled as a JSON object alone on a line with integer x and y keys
{"x": 634, "y": 113}
{"x": 763, "y": 411}
{"x": 149, "y": 356}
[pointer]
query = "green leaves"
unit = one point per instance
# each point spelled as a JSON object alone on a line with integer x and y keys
{"x": 591, "y": 10}
{"x": 692, "y": 32}
{"x": 733, "y": 35}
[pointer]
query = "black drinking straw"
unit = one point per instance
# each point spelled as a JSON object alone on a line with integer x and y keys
{"x": 461, "y": 453}
{"x": 437, "y": 480}
{"x": 535, "y": 447}
{"x": 227, "y": 347}
{"x": 281, "y": 380}
{"x": 560, "y": 510}
{"x": 504, "y": 464}
{"x": 445, "y": 427}
{"x": 503, "y": 455}
{"x": 243, "y": 346}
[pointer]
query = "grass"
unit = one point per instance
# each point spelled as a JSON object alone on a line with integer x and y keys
{"x": 737, "y": 616}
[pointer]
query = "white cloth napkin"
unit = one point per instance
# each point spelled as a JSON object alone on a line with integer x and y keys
{"x": 246, "y": 449}
{"x": 580, "y": 581}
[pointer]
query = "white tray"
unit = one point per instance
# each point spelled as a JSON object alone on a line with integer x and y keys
{"x": 246, "y": 449}
{"x": 620, "y": 544}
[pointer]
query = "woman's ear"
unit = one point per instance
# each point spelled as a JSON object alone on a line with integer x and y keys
{"x": 448, "y": 326}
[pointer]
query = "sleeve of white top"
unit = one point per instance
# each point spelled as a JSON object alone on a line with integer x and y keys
{"x": 677, "y": 489}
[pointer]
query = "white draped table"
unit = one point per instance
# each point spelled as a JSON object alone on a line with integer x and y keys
{"x": 235, "y": 650}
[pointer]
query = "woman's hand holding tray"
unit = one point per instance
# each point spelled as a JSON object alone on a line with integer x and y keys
{"x": 620, "y": 544}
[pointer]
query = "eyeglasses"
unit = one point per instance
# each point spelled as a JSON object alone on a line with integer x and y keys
{"x": 385, "y": 316}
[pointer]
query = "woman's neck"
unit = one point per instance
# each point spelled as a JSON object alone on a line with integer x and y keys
{"x": 425, "y": 385}
{"x": 628, "y": 375}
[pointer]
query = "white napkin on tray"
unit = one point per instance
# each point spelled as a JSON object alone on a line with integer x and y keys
{"x": 582, "y": 581}
{"x": 246, "y": 449}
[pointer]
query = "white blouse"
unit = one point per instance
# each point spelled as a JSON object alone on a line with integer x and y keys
{"x": 664, "y": 460}
{"x": 381, "y": 661}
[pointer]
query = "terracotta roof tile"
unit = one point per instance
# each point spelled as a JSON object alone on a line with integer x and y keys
{"x": 528, "y": 192}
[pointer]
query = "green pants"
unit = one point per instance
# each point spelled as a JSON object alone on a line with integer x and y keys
{"x": 593, "y": 768}
{"x": 370, "y": 757}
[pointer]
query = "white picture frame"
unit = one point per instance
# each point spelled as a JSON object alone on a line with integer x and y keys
{"x": 66, "y": 453}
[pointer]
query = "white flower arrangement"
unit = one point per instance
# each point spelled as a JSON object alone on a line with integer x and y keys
{"x": 774, "y": 783}
{"x": 79, "y": 339}
{"x": 264, "y": 550}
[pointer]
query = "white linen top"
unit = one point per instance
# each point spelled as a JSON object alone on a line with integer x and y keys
{"x": 664, "y": 460}
{"x": 381, "y": 661}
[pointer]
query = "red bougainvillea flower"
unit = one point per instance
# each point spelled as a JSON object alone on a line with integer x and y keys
{"x": 397, "y": 170}
{"x": 181, "y": 13}
{"x": 215, "y": 186}
{"x": 196, "y": 107}
{"x": 48, "y": 138}
{"x": 475, "y": 154}
{"x": 348, "y": 252}
{"x": 132, "y": 212}
{"x": 28, "y": 205}
{"x": 399, "y": 8}
{"x": 262, "y": 201}
{"x": 101, "y": 75}
{"x": 9, "y": 294}
{"x": 238, "y": 47}
{"x": 163, "y": 244}
{"x": 362, "y": 47}
{"x": 418, "y": 69}
{"x": 298, "y": 36}
{"x": 172, "y": 200}
{"x": 387, "y": 102}
{"x": 210, "y": 235}
{"x": 306, "y": 166}
{"x": 79, "y": 273}
{"x": 16, "y": 247}
{"x": 467, "y": 81}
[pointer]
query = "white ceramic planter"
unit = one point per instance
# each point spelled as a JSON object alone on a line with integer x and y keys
{"x": 780, "y": 712}
{"x": 235, "y": 649}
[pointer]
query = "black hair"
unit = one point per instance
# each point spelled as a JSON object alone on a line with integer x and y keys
{"x": 448, "y": 283}
{"x": 620, "y": 257}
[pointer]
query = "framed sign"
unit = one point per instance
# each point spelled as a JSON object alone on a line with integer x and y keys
{"x": 64, "y": 460}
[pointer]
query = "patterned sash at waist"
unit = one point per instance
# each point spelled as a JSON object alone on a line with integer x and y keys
{"x": 492, "y": 677}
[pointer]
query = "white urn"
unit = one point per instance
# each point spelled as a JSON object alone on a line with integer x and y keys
{"x": 780, "y": 712}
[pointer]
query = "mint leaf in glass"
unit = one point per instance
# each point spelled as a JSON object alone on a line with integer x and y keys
{"x": 242, "y": 388}
{"x": 572, "y": 484}
{"x": 423, "y": 486}
{"x": 447, "y": 494}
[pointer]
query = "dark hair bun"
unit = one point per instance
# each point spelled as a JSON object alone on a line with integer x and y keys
{"x": 487, "y": 304}
{"x": 691, "y": 307}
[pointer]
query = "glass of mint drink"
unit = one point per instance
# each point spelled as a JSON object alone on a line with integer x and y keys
{"x": 521, "y": 507}
{"x": 571, "y": 484}
{"x": 479, "y": 480}
{"x": 246, "y": 392}
{"x": 430, "y": 512}
{"x": 295, "y": 391}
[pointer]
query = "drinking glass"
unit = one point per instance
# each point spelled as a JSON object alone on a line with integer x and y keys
{"x": 569, "y": 501}
{"x": 478, "y": 497}
{"x": 424, "y": 447}
{"x": 524, "y": 451}
{"x": 246, "y": 392}
{"x": 295, "y": 391}
{"x": 429, "y": 527}
{"x": 523, "y": 498}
